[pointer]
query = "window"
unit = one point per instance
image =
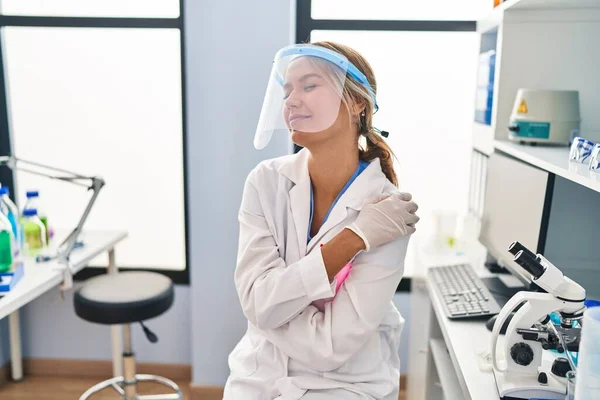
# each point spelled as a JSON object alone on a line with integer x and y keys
{"x": 426, "y": 95}
{"x": 107, "y": 102}
{"x": 92, "y": 8}
{"x": 424, "y": 55}
{"x": 458, "y": 10}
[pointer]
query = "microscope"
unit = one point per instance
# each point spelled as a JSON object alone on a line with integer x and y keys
{"x": 529, "y": 372}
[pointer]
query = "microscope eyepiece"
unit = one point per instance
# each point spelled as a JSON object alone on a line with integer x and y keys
{"x": 515, "y": 247}
{"x": 530, "y": 264}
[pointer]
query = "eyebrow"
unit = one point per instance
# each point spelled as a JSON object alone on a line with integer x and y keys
{"x": 305, "y": 77}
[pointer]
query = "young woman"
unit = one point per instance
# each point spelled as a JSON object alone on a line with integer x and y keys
{"x": 323, "y": 237}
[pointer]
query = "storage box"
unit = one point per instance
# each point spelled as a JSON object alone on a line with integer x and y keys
{"x": 11, "y": 278}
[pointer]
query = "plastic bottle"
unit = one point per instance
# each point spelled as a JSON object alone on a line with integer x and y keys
{"x": 34, "y": 232}
{"x": 588, "y": 369}
{"x": 6, "y": 244}
{"x": 10, "y": 210}
{"x": 33, "y": 202}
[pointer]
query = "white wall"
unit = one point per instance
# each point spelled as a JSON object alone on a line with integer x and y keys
{"x": 50, "y": 329}
{"x": 230, "y": 46}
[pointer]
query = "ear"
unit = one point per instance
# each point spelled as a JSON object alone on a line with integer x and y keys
{"x": 357, "y": 108}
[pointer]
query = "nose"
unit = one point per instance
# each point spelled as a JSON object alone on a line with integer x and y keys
{"x": 293, "y": 100}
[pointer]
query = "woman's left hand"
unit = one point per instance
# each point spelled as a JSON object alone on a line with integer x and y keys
{"x": 385, "y": 218}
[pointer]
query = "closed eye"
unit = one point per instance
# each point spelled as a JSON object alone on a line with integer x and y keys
{"x": 307, "y": 88}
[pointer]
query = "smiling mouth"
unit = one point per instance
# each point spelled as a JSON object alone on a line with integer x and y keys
{"x": 298, "y": 118}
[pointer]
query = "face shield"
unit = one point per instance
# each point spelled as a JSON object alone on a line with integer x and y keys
{"x": 305, "y": 91}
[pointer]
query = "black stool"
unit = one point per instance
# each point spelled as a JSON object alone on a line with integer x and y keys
{"x": 125, "y": 298}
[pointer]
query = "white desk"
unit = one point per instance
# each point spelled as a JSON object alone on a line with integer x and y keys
{"x": 442, "y": 360}
{"x": 39, "y": 278}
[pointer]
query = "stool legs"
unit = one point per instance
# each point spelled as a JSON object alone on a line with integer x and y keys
{"x": 114, "y": 382}
{"x": 126, "y": 385}
{"x": 128, "y": 364}
{"x": 166, "y": 382}
{"x": 115, "y": 330}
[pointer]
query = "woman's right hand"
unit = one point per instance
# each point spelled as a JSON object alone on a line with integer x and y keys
{"x": 385, "y": 218}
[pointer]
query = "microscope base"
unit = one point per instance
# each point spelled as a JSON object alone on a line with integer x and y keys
{"x": 522, "y": 386}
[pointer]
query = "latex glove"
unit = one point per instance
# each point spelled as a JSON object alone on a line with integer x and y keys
{"x": 385, "y": 218}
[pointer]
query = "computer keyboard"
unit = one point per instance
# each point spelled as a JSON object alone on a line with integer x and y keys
{"x": 462, "y": 292}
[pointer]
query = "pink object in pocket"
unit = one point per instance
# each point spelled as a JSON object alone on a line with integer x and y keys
{"x": 341, "y": 276}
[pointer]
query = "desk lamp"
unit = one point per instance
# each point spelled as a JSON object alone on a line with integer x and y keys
{"x": 91, "y": 182}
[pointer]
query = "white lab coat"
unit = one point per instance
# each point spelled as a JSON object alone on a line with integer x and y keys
{"x": 290, "y": 347}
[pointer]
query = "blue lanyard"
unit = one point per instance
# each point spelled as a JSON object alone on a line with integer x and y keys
{"x": 361, "y": 167}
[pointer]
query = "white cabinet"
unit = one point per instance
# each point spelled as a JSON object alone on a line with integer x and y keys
{"x": 418, "y": 356}
{"x": 541, "y": 44}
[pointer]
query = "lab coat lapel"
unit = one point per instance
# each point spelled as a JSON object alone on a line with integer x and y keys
{"x": 368, "y": 184}
{"x": 337, "y": 215}
{"x": 296, "y": 170}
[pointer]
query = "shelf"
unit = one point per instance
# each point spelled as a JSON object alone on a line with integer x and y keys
{"x": 554, "y": 160}
{"x": 551, "y": 4}
{"x": 496, "y": 16}
{"x": 445, "y": 370}
{"x": 491, "y": 21}
{"x": 547, "y": 5}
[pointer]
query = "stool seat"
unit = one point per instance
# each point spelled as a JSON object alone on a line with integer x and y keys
{"x": 124, "y": 297}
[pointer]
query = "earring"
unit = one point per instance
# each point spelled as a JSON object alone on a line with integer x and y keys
{"x": 362, "y": 127}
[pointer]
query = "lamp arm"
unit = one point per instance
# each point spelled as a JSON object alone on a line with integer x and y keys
{"x": 71, "y": 240}
{"x": 95, "y": 184}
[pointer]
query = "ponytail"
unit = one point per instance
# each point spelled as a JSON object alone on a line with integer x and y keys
{"x": 378, "y": 148}
{"x": 356, "y": 93}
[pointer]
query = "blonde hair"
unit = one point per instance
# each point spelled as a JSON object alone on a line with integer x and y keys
{"x": 355, "y": 93}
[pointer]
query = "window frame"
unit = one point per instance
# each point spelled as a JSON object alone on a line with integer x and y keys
{"x": 6, "y": 175}
{"x": 305, "y": 24}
